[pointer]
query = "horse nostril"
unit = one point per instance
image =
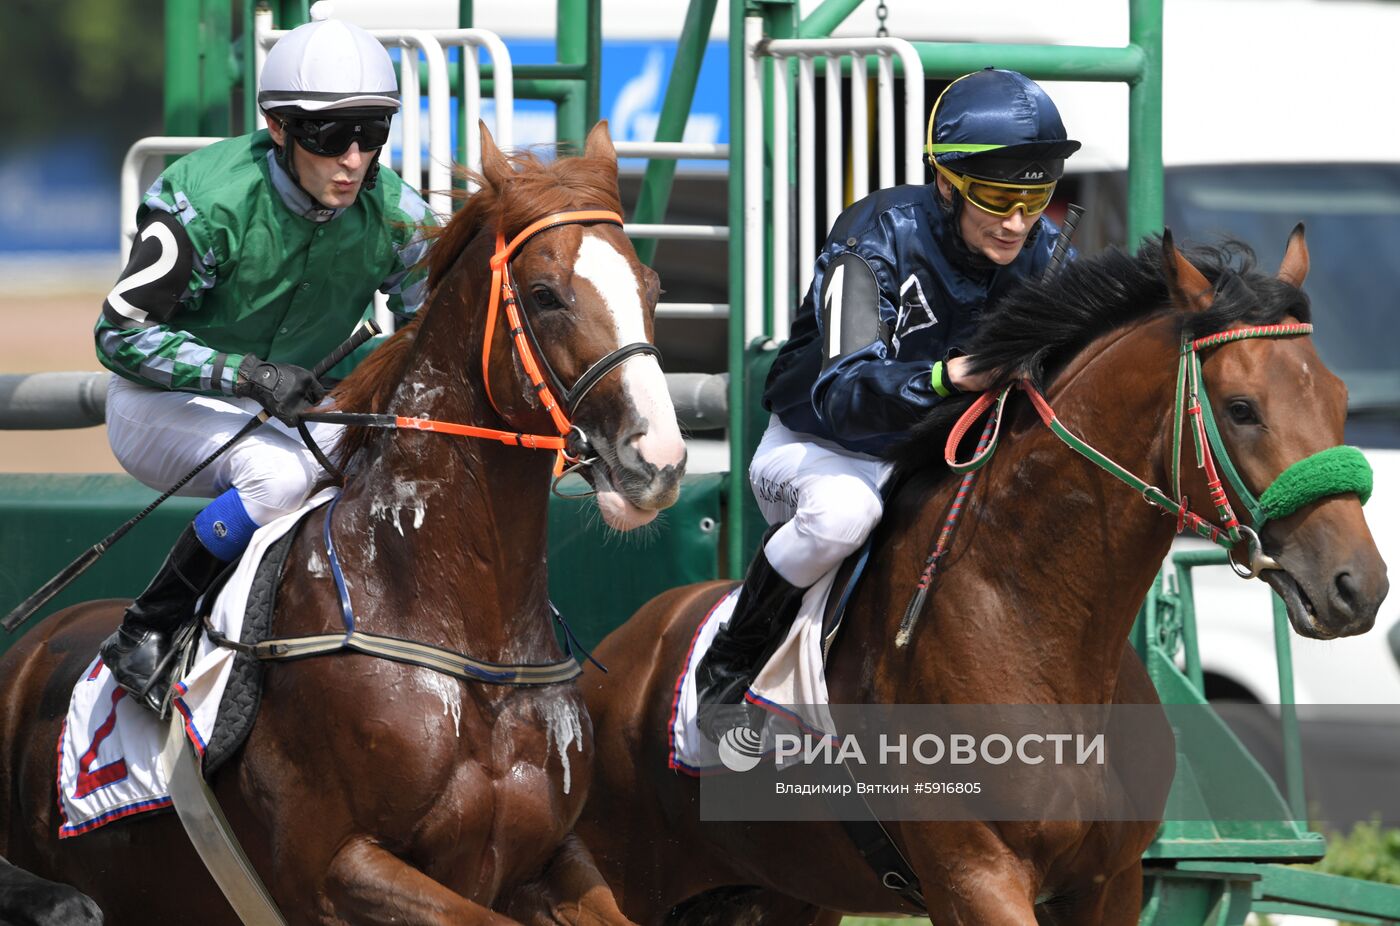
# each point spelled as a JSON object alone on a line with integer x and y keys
{"x": 631, "y": 445}
{"x": 1347, "y": 591}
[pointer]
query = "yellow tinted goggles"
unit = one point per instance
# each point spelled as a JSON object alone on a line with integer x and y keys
{"x": 1000, "y": 199}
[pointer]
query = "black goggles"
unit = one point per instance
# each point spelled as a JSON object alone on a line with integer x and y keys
{"x": 333, "y": 137}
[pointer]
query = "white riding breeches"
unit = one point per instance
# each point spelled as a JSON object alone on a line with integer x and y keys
{"x": 828, "y": 496}
{"x": 158, "y": 436}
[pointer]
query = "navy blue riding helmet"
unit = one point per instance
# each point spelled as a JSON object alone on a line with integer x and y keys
{"x": 998, "y": 125}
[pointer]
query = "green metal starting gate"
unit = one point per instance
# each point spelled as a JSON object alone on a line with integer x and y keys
{"x": 1204, "y": 869}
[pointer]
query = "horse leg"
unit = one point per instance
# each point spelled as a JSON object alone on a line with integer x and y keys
{"x": 29, "y": 900}
{"x": 570, "y": 890}
{"x": 980, "y": 901}
{"x": 976, "y": 879}
{"x": 753, "y": 906}
{"x": 1115, "y": 902}
{"x": 367, "y": 885}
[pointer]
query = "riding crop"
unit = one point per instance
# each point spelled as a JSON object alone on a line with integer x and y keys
{"x": 25, "y": 610}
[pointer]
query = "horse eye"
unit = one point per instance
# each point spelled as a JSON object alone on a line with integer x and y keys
{"x": 544, "y": 298}
{"x": 1242, "y": 412}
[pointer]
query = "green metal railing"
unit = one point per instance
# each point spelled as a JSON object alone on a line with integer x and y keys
{"x": 1138, "y": 64}
{"x": 1167, "y": 629}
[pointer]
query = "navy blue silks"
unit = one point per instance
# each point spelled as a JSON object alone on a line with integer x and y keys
{"x": 929, "y": 307}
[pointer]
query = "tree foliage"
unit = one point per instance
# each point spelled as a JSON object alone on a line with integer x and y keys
{"x": 81, "y": 67}
{"x": 1369, "y": 851}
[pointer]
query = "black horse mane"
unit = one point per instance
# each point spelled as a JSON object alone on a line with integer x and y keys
{"x": 1038, "y": 327}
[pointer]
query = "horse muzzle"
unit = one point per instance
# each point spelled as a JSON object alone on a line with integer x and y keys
{"x": 1340, "y": 603}
{"x": 630, "y": 488}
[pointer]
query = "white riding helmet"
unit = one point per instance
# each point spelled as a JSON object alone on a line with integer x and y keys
{"x": 326, "y": 65}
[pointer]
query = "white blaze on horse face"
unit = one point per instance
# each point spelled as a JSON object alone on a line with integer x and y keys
{"x": 642, "y": 380}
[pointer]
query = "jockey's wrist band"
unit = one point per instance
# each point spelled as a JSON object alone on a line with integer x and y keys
{"x": 940, "y": 381}
{"x": 231, "y": 362}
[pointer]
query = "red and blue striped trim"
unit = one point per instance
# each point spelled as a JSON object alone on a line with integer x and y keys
{"x": 674, "y": 761}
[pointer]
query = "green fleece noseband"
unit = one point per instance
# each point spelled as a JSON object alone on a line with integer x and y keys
{"x": 1334, "y": 471}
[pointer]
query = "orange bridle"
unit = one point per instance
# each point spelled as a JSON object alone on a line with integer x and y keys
{"x": 503, "y": 290}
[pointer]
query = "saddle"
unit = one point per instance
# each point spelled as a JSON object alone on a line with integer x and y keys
{"x": 243, "y": 694}
{"x": 848, "y": 576}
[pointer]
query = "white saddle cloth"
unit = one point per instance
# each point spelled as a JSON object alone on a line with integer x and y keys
{"x": 790, "y": 686}
{"x": 109, "y": 746}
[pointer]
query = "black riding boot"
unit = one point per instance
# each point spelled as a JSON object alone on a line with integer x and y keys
{"x": 139, "y": 652}
{"x": 767, "y": 606}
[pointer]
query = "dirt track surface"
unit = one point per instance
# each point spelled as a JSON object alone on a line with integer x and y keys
{"x": 45, "y": 333}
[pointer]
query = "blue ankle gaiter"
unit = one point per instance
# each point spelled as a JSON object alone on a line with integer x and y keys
{"x": 224, "y": 527}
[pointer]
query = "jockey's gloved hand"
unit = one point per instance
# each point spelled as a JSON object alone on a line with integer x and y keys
{"x": 284, "y": 389}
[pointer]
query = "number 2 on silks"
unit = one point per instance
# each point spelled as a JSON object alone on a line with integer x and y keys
{"x": 90, "y": 779}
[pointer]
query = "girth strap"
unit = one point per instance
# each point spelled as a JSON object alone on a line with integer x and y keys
{"x": 411, "y": 652}
{"x": 877, "y": 847}
{"x": 396, "y": 649}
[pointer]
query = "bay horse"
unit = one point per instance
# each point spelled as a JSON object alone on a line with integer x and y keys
{"x": 1033, "y": 602}
{"x": 372, "y": 791}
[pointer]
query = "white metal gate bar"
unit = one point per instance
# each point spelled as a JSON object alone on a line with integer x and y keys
{"x": 778, "y": 173}
{"x": 410, "y": 166}
{"x": 848, "y": 124}
{"x": 673, "y": 231}
{"x": 806, "y": 159}
{"x": 860, "y": 128}
{"x": 835, "y": 193}
{"x": 754, "y": 264}
{"x": 471, "y": 41}
{"x": 701, "y": 151}
{"x": 132, "y": 167}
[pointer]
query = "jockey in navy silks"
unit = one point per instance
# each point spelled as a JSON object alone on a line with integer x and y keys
{"x": 255, "y": 258}
{"x": 898, "y": 290}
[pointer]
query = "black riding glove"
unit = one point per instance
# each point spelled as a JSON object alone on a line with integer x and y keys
{"x": 284, "y": 389}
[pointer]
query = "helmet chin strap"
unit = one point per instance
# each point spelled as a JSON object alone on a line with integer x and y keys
{"x": 287, "y": 162}
{"x": 963, "y": 253}
{"x": 372, "y": 174}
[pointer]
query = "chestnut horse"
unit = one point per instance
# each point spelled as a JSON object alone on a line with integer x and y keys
{"x": 1033, "y": 603}
{"x": 375, "y": 792}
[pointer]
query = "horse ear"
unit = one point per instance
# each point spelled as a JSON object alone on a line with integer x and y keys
{"x": 1188, "y": 286}
{"x": 599, "y": 143}
{"x": 1294, "y": 268}
{"x": 495, "y": 166}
